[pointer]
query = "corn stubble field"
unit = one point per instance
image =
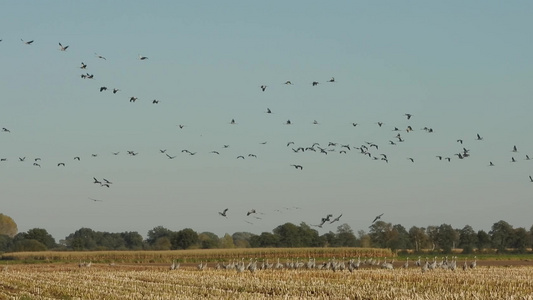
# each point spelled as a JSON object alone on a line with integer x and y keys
{"x": 126, "y": 280}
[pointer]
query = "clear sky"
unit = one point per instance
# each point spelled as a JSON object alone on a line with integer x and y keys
{"x": 459, "y": 68}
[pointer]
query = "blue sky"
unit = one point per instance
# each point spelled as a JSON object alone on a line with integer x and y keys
{"x": 458, "y": 68}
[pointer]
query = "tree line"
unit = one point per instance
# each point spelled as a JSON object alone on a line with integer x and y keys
{"x": 444, "y": 238}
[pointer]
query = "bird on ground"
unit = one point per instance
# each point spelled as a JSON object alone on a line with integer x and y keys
{"x": 298, "y": 167}
{"x": 512, "y": 159}
{"x": 27, "y": 42}
{"x": 378, "y": 217}
{"x": 527, "y": 157}
{"x": 63, "y": 48}
{"x": 336, "y": 219}
{"x": 142, "y": 57}
{"x": 223, "y": 213}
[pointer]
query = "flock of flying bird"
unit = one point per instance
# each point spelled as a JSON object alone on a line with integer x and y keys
{"x": 367, "y": 149}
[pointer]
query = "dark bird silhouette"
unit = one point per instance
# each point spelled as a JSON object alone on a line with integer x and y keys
{"x": 298, "y": 167}
{"x": 512, "y": 159}
{"x": 479, "y": 138}
{"x": 97, "y": 181}
{"x": 530, "y": 178}
{"x": 63, "y": 48}
{"x": 380, "y": 124}
{"x": 133, "y": 99}
{"x": 107, "y": 181}
{"x": 115, "y": 91}
{"x": 252, "y": 155}
{"x": 263, "y": 87}
{"x": 5, "y": 130}
{"x": 116, "y": 153}
{"x": 232, "y": 122}
{"x": 515, "y": 149}
{"x": 22, "y": 158}
{"x": 268, "y": 111}
{"x": 155, "y": 101}
{"x": 100, "y": 56}
{"x": 336, "y": 219}
{"x": 170, "y": 157}
{"x": 162, "y": 150}
{"x": 289, "y": 143}
{"x": 142, "y": 57}
{"x": 181, "y": 126}
{"x": 377, "y": 218}
{"x": 439, "y": 157}
{"x": 27, "y": 42}
{"x": 411, "y": 159}
{"x": 95, "y": 200}
{"x": 61, "y": 164}
{"x": 332, "y": 79}
{"x": 460, "y": 141}
{"x": 288, "y": 82}
{"x": 215, "y": 152}
{"x": 223, "y": 213}
{"x": 408, "y": 116}
{"x": 83, "y": 66}
{"x": 37, "y": 165}
{"x": 354, "y": 124}
{"x": 240, "y": 156}
{"x": 77, "y": 158}
{"x": 103, "y": 88}
{"x": 251, "y": 212}
{"x": 315, "y": 83}
{"x": 288, "y": 122}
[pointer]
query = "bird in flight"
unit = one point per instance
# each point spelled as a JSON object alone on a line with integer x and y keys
{"x": 63, "y": 48}
{"x": 232, "y": 122}
{"x": 268, "y": 111}
{"x": 103, "y": 88}
{"x": 288, "y": 82}
{"x": 530, "y": 178}
{"x": 61, "y": 164}
{"x": 298, "y": 167}
{"x": 223, "y": 213}
{"x": 83, "y": 66}
{"x": 411, "y": 159}
{"x": 377, "y": 218}
{"x": 27, "y": 42}
{"x": 408, "y": 116}
{"x": 100, "y": 56}
{"x": 22, "y": 158}
{"x": 479, "y": 138}
{"x": 170, "y": 157}
{"x": 336, "y": 219}
{"x": 515, "y": 149}
{"x": 251, "y": 212}
{"x": 95, "y": 200}
{"x": 332, "y": 79}
{"x": 5, "y": 130}
{"x": 263, "y": 87}
{"x": 315, "y": 83}
{"x": 142, "y": 57}
{"x": 133, "y": 99}
{"x": 115, "y": 91}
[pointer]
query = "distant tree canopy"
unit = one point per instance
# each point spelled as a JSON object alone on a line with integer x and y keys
{"x": 7, "y": 226}
{"x": 443, "y": 238}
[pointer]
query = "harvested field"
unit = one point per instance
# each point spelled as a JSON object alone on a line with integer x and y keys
{"x": 104, "y": 281}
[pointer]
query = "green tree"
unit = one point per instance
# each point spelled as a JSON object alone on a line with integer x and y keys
{"x": 289, "y": 235}
{"x": 345, "y": 236}
{"x": 40, "y": 235}
{"x": 162, "y": 243}
{"x": 242, "y": 239}
{"x": 8, "y": 226}
{"x": 418, "y": 238}
{"x": 502, "y": 235}
{"x": 483, "y": 240}
{"x": 82, "y": 239}
{"x": 521, "y": 240}
{"x": 5, "y": 242}
{"x": 226, "y": 242}
{"x": 208, "y": 240}
{"x": 467, "y": 239}
{"x": 264, "y": 240}
{"x": 21, "y": 244}
{"x": 380, "y": 234}
{"x": 399, "y": 238}
{"x": 364, "y": 239}
{"x": 184, "y": 239}
{"x": 158, "y": 232}
{"x": 447, "y": 237}
{"x": 133, "y": 240}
